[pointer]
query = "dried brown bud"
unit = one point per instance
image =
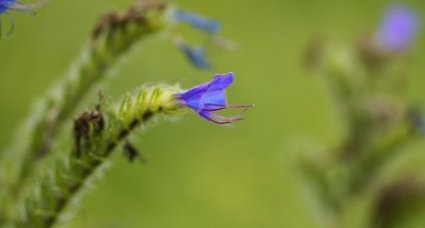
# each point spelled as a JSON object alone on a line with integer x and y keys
{"x": 135, "y": 14}
{"x": 395, "y": 198}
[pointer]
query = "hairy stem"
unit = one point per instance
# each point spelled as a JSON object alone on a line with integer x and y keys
{"x": 96, "y": 136}
{"x": 112, "y": 38}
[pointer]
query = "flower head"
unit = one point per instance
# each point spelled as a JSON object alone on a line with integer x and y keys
{"x": 398, "y": 28}
{"x": 207, "y": 98}
{"x": 196, "y": 21}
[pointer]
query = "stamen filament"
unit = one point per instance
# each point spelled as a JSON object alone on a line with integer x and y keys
{"x": 221, "y": 107}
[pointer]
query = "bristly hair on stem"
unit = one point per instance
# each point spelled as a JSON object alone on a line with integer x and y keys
{"x": 112, "y": 38}
{"x": 96, "y": 134}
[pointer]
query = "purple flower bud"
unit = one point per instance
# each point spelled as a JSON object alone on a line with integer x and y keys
{"x": 195, "y": 55}
{"x": 398, "y": 28}
{"x": 197, "y": 21}
{"x": 207, "y": 98}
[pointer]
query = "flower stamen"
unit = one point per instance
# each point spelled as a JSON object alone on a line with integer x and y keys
{"x": 244, "y": 106}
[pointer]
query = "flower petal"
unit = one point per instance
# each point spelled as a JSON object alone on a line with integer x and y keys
{"x": 210, "y": 93}
{"x": 196, "y": 55}
{"x": 214, "y": 99}
{"x": 192, "y": 97}
{"x": 221, "y": 81}
{"x": 197, "y": 21}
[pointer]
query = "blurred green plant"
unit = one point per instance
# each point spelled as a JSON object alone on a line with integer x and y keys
{"x": 366, "y": 83}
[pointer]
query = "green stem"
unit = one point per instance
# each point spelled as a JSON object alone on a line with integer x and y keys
{"x": 97, "y": 135}
{"x": 112, "y": 38}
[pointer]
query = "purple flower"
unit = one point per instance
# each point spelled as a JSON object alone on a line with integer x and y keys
{"x": 196, "y": 55}
{"x": 5, "y": 5}
{"x": 196, "y": 21}
{"x": 207, "y": 98}
{"x": 398, "y": 28}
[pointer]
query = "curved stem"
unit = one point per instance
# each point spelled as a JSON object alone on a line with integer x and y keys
{"x": 112, "y": 38}
{"x": 97, "y": 135}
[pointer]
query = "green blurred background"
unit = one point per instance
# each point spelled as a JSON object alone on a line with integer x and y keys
{"x": 199, "y": 174}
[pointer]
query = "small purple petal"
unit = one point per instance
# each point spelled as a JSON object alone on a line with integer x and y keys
{"x": 398, "y": 28}
{"x": 197, "y": 21}
{"x": 221, "y": 81}
{"x": 196, "y": 56}
{"x": 192, "y": 98}
{"x": 213, "y": 100}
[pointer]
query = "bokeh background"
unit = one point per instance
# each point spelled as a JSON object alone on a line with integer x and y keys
{"x": 199, "y": 174}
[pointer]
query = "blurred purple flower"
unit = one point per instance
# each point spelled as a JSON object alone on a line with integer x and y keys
{"x": 398, "y": 28}
{"x": 417, "y": 120}
{"x": 196, "y": 55}
{"x": 209, "y": 97}
{"x": 196, "y": 21}
{"x": 5, "y": 5}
